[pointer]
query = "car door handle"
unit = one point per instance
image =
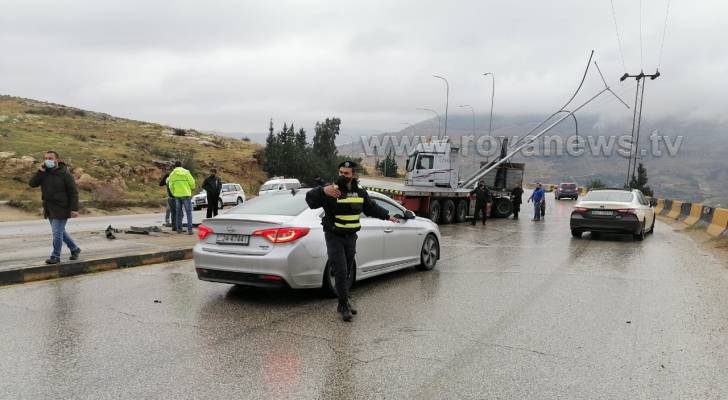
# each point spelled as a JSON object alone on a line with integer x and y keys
{"x": 388, "y": 230}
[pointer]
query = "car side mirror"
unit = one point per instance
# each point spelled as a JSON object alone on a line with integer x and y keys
{"x": 409, "y": 215}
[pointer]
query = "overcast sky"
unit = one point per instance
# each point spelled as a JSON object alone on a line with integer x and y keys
{"x": 232, "y": 65}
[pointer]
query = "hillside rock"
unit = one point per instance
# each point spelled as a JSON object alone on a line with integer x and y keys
{"x": 14, "y": 166}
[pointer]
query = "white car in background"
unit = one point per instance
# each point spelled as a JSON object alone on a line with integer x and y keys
{"x": 232, "y": 194}
{"x": 276, "y": 184}
{"x": 278, "y": 241}
{"x": 613, "y": 211}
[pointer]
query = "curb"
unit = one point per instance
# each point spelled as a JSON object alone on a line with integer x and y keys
{"x": 44, "y": 272}
{"x": 713, "y": 220}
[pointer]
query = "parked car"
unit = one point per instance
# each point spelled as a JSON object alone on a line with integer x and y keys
{"x": 569, "y": 190}
{"x": 615, "y": 211}
{"x": 276, "y": 184}
{"x": 232, "y": 194}
{"x": 277, "y": 241}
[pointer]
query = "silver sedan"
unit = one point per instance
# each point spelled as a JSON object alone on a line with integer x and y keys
{"x": 278, "y": 241}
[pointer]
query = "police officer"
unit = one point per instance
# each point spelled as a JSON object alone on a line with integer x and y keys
{"x": 343, "y": 203}
{"x": 482, "y": 199}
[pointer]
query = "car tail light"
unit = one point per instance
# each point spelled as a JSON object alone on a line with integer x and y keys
{"x": 581, "y": 209}
{"x": 282, "y": 235}
{"x": 203, "y": 231}
{"x": 627, "y": 211}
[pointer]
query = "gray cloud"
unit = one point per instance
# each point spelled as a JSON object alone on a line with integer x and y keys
{"x": 232, "y": 65}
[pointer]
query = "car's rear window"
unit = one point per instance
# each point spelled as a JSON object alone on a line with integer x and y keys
{"x": 281, "y": 203}
{"x": 568, "y": 186}
{"x": 269, "y": 186}
{"x": 604, "y": 195}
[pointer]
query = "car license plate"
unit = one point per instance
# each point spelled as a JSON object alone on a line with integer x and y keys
{"x": 602, "y": 212}
{"x": 229, "y": 238}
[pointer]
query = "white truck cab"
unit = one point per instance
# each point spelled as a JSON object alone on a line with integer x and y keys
{"x": 434, "y": 163}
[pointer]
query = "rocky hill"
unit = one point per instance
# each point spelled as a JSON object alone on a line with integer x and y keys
{"x": 105, "y": 152}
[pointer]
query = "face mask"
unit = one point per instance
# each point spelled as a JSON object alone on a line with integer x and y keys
{"x": 50, "y": 164}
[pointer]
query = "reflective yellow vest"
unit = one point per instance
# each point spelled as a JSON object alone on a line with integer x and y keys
{"x": 348, "y": 212}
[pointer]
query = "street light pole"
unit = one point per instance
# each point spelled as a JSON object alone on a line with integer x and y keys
{"x": 473, "y": 112}
{"x": 492, "y": 97}
{"x": 447, "y": 99}
{"x": 438, "y": 118}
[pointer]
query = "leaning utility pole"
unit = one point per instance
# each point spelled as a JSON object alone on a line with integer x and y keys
{"x": 639, "y": 96}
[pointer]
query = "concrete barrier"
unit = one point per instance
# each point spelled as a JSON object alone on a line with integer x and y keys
{"x": 30, "y": 274}
{"x": 684, "y": 211}
{"x": 660, "y": 206}
{"x": 719, "y": 223}
{"x": 675, "y": 209}
{"x": 668, "y": 207}
{"x": 696, "y": 211}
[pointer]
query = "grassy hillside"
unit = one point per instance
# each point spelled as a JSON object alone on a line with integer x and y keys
{"x": 105, "y": 151}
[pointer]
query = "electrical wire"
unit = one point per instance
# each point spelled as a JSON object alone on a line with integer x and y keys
{"x": 619, "y": 39}
{"x": 664, "y": 31}
{"x": 642, "y": 64}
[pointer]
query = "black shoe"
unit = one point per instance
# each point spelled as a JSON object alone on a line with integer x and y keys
{"x": 351, "y": 306}
{"x": 74, "y": 254}
{"x": 53, "y": 260}
{"x": 345, "y": 311}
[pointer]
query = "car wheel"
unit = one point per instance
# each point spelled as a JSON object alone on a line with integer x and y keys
{"x": 461, "y": 211}
{"x": 429, "y": 254}
{"x": 576, "y": 233}
{"x": 239, "y": 201}
{"x": 329, "y": 282}
{"x": 434, "y": 213}
{"x": 652, "y": 228}
{"x": 219, "y": 204}
{"x": 641, "y": 235}
{"x": 448, "y": 211}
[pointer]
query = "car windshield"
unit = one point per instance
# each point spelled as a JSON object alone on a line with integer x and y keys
{"x": 568, "y": 186}
{"x": 269, "y": 186}
{"x": 604, "y": 195}
{"x": 283, "y": 203}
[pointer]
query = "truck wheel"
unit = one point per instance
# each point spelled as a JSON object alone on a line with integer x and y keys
{"x": 434, "y": 212}
{"x": 502, "y": 208}
{"x": 461, "y": 211}
{"x": 448, "y": 211}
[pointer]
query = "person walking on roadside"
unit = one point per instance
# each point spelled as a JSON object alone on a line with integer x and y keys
{"x": 60, "y": 202}
{"x": 212, "y": 186}
{"x": 181, "y": 183}
{"x": 170, "y": 213}
{"x": 482, "y": 199}
{"x": 343, "y": 204}
{"x": 538, "y": 196}
{"x": 516, "y": 199}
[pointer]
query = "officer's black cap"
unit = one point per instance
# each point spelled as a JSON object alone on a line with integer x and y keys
{"x": 347, "y": 164}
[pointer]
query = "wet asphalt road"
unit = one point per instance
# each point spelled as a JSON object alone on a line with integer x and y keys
{"x": 517, "y": 310}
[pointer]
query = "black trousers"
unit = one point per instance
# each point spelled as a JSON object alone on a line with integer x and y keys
{"x": 478, "y": 208}
{"x": 212, "y": 206}
{"x": 516, "y": 210}
{"x": 341, "y": 250}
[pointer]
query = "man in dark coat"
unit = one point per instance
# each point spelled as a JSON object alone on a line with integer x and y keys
{"x": 482, "y": 199}
{"x": 213, "y": 187}
{"x": 60, "y": 202}
{"x": 171, "y": 212}
{"x": 343, "y": 204}
{"x": 516, "y": 199}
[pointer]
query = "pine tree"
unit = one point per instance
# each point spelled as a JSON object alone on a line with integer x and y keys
{"x": 388, "y": 166}
{"x": 640, "y": 181}
{"x": 324, "y": 142}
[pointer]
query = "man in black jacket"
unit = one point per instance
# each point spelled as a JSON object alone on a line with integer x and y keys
{"x": 482, "y": 199}
{"x": 171, "y": 212}
{"x": 60, "y": 202}
{"x": 213, "y": 187}
{"x": 517, "y": 200}
{"x": 343, "y": 204}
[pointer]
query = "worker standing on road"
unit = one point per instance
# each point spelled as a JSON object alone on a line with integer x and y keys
{"x": 60, "y": 202}
{"x": 482, "y": 199}
{"x": 170, "y": 213}
{"x": 213, "y": 187}
{"x": 181, "y": 184}
{"x": 538, "y": 196}
{"x": 343, "y": 204}
{"x": 516, "y": 199}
